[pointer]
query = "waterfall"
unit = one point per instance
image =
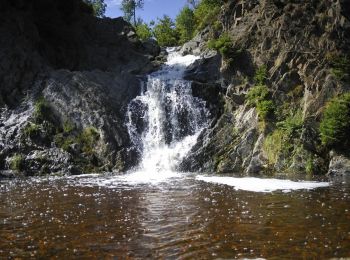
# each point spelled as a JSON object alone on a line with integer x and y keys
{"x": 165, "y": 120}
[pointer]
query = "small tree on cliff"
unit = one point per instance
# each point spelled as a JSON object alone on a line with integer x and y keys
{"x": 98, "y": 6}
{"x": 129, "y": 9}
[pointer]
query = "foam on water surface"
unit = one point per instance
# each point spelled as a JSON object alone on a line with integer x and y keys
{"x": 262, "y": 185}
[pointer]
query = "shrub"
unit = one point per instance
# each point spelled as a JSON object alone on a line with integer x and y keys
{"x": 31, "y": 130}
{"x": 88, "y": 139}
{"x": 265, "y": 109}
{"x": 273, "y": 145}
{"x": 293, "y": 123}
{"x": 257, "y": 94}
{"x": 68, "y": 127}
{"x": 224, "y": 45}
{"x": 340, "y": 67}
{"x": 260, "y": 75}
{"x": 143, "y": 31}
{"x": 335, "y": 123}
{"x": 17, "y": 162}
{"x": 42, "y": 110}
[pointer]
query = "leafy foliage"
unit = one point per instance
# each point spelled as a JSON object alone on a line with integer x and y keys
{"x": 165, "y": 32}
{"x": 185, "y": 24}
{"x": 335, "y": 124}
{"x": 260, "y": 75}
{"x": 17, "y": 162}
{"x": 259, "y": 96}
{"x": 98, "y": 6}
{"x": 129, "y": 9}
{"x": 143, "y": 31}
{"x": 340, "y": 67}
{"x": 32, "y": 130}
{"x": 206, "y": 13}
{"x": 293, "y": 124}
{"x": 273, "y": 145}
{"x": 42, "y": 110}
{"x": 223, "y": 44}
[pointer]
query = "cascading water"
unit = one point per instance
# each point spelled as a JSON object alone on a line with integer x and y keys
{"x": 165, "y": 120}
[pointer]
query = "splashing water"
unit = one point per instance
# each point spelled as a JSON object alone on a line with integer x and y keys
{"x": 165, "y": 120}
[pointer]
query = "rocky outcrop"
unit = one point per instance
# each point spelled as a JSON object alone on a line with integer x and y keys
{"x": 66, "y": 78}
{"x": 291, "y": 45}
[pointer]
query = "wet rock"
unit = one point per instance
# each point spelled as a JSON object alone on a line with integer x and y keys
{"x": 151, "y": 46}
{"x": 205, "y": 70}
{"x": 85, "y": 69}
{"x": 49, "y": 161}
{"x": 339, "y": 165}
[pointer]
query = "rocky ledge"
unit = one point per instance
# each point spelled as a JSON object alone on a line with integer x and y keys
{"x": 280, "y": 63}
{"x": 66, "y": 78}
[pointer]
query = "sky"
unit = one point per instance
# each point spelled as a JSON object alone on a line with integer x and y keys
{"x": 152, "y": 9}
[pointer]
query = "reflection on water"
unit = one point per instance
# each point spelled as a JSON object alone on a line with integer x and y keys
{"x": 182, "y": 218}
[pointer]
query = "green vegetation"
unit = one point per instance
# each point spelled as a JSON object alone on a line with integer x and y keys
{"x": 31, "y": 130}
{"x": 206, "y": 13}
{"x": 191, "y": 19}
{"x": 293, "y": 123}
{"x": 17, "y": 162}
{"x": 259, "y": 96}
{"x": 129, "y": 9}
{"x": 335, "y": 124}
{"x": 265, "y": 109}
{"x": 143, "y": 31}
{"x": 310, "y": 167}
{"x": 98, "y": 7}
{"x": 86, "y": 139}
{"x": 340, "y": 67}
{"x": 43, "y": 111}
{"x": 224, "y": 45}
{"x": 260, "y": 75}
{"x": 185, "y": 24}
{"x": 165, "y": 32}
{"x": 273, "y": 145}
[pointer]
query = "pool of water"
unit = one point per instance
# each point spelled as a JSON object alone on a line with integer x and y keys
{"x": 182, "y": 217}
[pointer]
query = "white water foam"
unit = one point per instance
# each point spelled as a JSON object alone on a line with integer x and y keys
{"x": 262, "y": 185}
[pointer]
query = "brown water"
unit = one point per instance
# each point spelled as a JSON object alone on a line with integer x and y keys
{"x": 179, "y": 219}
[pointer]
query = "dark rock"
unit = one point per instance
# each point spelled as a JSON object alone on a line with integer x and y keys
{"x": 296, "y": 41}
{"x": 87, "y": 70}
{"x": 205, "y": 70}
{"x": 339, "y": 165}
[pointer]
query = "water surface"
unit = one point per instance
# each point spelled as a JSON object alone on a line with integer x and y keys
{"x": 180, "y": 217}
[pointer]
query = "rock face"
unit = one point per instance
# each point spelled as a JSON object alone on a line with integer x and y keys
{"x": 294, "y": 43}
{"x": 66, "y": 78}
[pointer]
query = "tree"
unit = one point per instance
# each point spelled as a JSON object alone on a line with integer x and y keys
{"x": 143, "y": 30}
{"x": 206, "y": 12}
{"x": 165, "y": 32}
{"x": 98, "y": 6}
{"x": 185, "y": 24}
{"x": 129, "y": 9}
{"x": 193, "y": 3}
